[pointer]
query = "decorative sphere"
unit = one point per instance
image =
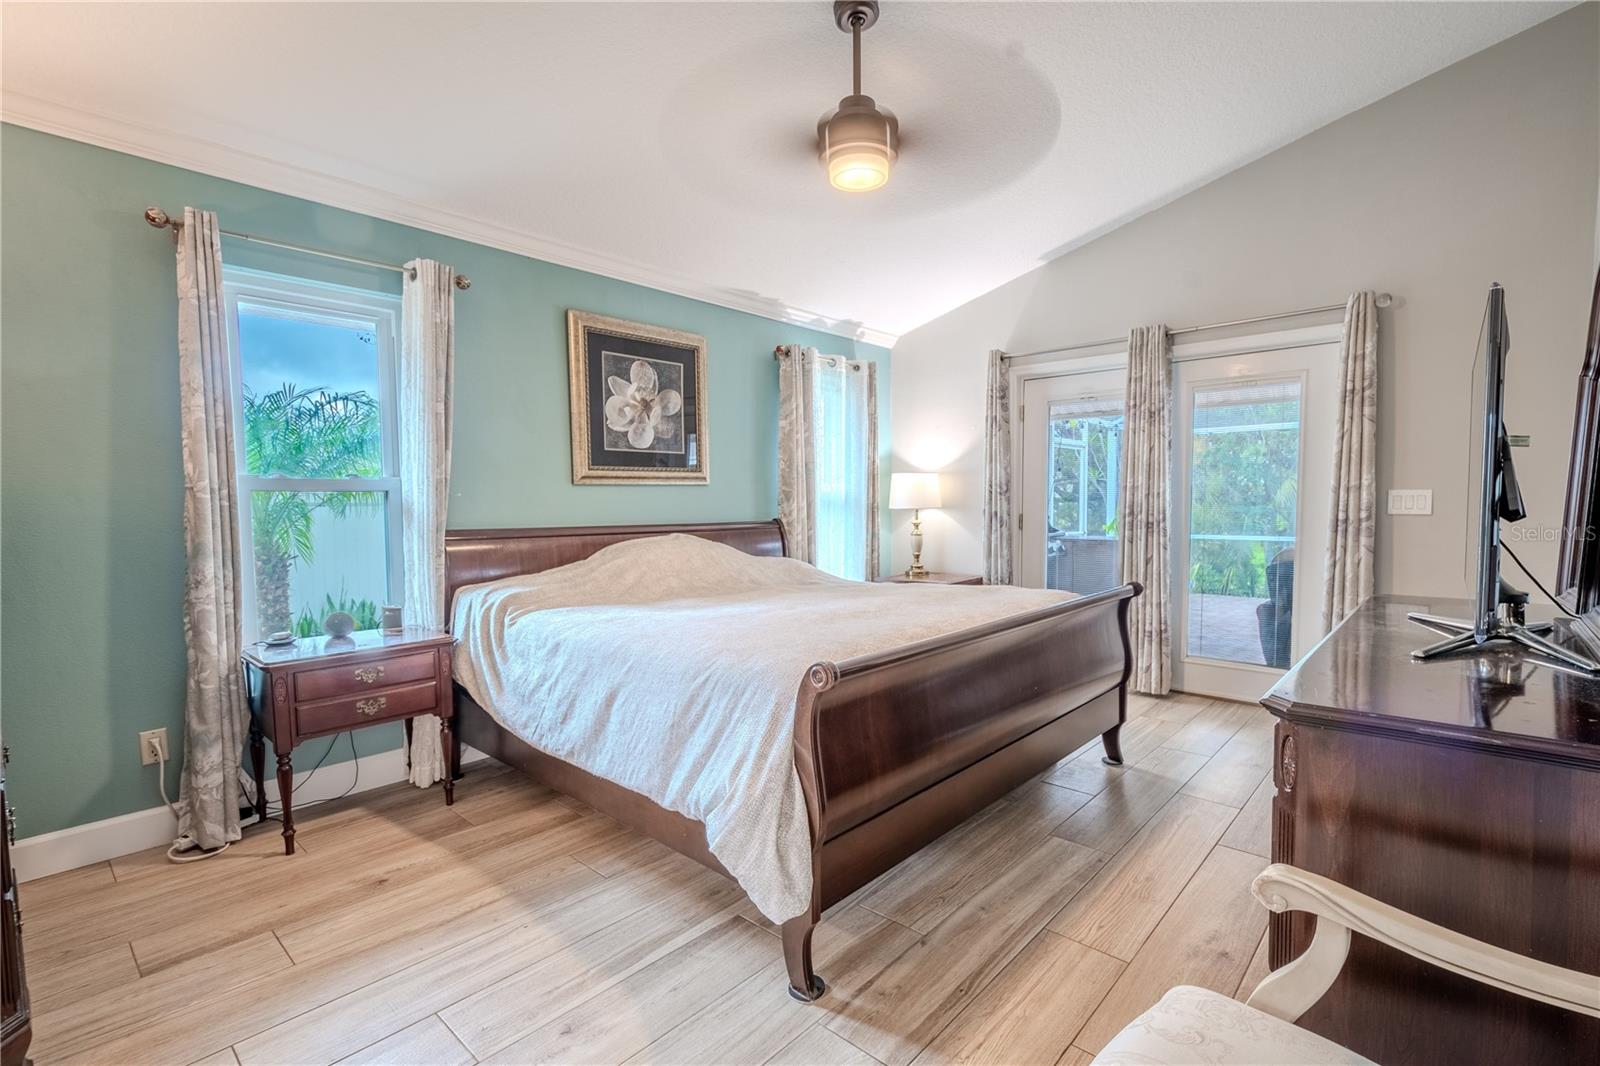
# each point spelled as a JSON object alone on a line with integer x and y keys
{"x": 339, "y": 624}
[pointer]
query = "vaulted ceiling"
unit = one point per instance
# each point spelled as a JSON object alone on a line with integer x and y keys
{"x": 673, "y": 144}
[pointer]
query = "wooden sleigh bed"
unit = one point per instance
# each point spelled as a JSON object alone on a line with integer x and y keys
{"x": 892, "y": 749}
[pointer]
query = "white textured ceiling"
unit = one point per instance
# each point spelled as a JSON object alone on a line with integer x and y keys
{"x": 673, "y": 143}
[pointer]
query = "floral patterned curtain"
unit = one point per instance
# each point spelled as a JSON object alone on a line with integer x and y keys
{"x": 797, "y": 477}
{"x": 1353, "y": 515}
{"x": 1145, "y": 495}
{"x": 424, "y": 378}
{"x": 997, "y": 527}
{"x": 214, "y": 714}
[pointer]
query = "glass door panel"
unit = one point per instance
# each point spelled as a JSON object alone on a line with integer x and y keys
{"x": 1071, "y": 449}
{"x": 1251, "y": 438}
{"x": 1084, "y": 449}
{"x": 1244, "y": 483}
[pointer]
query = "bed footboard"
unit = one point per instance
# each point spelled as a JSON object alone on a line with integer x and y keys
{"x": 895, "y": 749}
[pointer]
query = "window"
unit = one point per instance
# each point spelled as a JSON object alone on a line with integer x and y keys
{"x": 1084, "y": 450}
{"x": 313, "y": 372}
{"x": 843, "y": 442}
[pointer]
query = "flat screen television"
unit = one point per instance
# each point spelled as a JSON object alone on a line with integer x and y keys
{"x": 1494, "y": 497}
{"x": 1493, "y": 494}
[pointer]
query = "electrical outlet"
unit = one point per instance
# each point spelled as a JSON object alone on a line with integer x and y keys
{"x": 153, "y": 746}
{"x": 1410, "y": 501}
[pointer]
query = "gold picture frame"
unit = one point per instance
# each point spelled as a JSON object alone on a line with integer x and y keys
{"x": 639, "y": 407}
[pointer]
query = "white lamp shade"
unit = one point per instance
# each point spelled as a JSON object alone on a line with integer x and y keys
{"x": 909, "y": 491}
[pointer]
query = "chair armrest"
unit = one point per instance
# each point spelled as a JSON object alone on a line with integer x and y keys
{"x": 1289, "y": 991}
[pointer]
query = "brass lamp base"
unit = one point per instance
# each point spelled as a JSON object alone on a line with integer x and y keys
{"x": 916, "y": 569}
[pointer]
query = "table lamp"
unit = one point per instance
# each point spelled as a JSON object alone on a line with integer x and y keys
{"x": 913, "y": 492}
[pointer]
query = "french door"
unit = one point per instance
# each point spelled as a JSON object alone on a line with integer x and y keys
{"x": 1252, "y": 436}
{"x": 1071, "y": 449}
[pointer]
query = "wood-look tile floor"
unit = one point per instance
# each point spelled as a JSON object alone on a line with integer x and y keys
{"x": 520, "y": 926}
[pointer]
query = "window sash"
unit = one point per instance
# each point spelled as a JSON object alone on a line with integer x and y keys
{"x": 842, "y": 464}
{"x": 327, "y": 304}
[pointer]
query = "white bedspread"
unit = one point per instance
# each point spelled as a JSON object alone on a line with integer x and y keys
{"x": 670, "y": 665}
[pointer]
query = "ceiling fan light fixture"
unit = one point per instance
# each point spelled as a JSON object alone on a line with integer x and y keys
{"x": 858, "y": 142}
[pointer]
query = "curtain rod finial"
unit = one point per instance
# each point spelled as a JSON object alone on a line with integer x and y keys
{"x": 463, "y": 282}
{"x": 157, "y": 217}
{"x": 1383, "y": 299}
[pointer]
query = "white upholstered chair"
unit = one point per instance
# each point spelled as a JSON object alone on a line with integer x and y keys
{"x": 1195, "y": 1025}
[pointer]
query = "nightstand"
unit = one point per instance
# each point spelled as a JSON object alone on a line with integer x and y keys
{"x": 318, "y": 686}
{"x": 935, "y": 577}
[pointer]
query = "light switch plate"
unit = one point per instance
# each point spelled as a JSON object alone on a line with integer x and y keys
{"x": 1410, "y": 501}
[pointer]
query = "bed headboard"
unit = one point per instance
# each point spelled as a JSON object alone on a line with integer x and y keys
{"x": 475, "y": 555}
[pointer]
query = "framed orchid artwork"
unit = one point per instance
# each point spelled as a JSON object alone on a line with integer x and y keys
{"x": 638, "y": 403}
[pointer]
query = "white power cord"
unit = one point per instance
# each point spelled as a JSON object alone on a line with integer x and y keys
{"x": 173, "y": 852}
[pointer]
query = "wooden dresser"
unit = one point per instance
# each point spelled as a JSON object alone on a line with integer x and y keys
{"x": 16, "y": 1023}
{"x": 1465, "y": 791}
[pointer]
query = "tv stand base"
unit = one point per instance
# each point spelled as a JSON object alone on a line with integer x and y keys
{"x": 1463, "y": 637}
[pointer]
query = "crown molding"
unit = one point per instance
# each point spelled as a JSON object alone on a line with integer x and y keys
{"x": 220, "y": 161}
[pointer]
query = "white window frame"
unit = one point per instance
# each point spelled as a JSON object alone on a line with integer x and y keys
{"x": 275, "y": 294}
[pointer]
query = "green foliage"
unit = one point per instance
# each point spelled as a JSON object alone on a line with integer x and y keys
{"x": 311, "y": 433}
{"x": 1083, "y": 474}
{"x": 297, "y": 432}
{"x": 1244, "y": 482}
{"x": 308, "y": 433}
{"x": 365, "y": 612}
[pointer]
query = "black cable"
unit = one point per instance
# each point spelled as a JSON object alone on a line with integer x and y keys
{"x": 276, "y": 815}
{"x": 327, "y": 752}
{"x": 1529, "y": 574}
{"x": 355, "y": 758}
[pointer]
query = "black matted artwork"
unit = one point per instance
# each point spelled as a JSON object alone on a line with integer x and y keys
{"x": 638, "y": 402}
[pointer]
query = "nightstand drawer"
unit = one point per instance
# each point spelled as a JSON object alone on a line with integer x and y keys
{"x": 331, "y": 681}
{"x": 350, "y": 712}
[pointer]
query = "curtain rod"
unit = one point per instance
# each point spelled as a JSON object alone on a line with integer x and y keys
{"x": 1384, "y": 300}
{"x": 161, "y": 220}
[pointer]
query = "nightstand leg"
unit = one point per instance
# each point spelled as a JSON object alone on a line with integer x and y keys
{"x": 258, "y": 764}
{"x": 445, "y": 746}
{"x": 445, "y": 737}
{"x": 285, "y": 800}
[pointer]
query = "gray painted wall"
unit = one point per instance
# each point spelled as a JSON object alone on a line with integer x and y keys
{"x": 1485, "y": 171}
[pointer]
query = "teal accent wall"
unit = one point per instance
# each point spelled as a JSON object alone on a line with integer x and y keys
{"x": 91, "y": 529}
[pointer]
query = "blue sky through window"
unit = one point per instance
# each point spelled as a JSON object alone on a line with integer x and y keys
{"x": 275, "y": 350}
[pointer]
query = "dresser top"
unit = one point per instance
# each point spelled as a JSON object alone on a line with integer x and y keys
{"x": 364, "y": 644}
{"x": 1362, "y": 677}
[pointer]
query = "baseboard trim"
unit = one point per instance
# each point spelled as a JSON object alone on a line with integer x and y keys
{"x": 82, "y": 845}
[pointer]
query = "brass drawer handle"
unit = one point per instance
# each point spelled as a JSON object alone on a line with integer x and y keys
{"x": 368, "y": 675}
{"x": 368, "y": 708}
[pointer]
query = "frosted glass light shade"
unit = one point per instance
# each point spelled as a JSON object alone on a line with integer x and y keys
{"x": 858, "y": 143}
{"x": 859, "y": 171}
{"x": 913, "y": 492}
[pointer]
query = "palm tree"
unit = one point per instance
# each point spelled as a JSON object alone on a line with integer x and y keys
{"x": 309, "y": 433}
